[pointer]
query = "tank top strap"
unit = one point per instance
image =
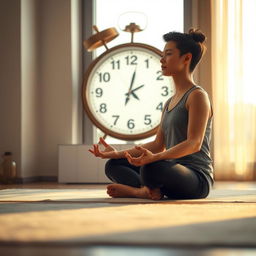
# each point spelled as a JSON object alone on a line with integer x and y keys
{"x": 185, "y": 97}
{"x": 167, "y": 104}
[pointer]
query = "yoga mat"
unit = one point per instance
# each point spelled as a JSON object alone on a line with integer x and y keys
{"x": 100, "y": 196}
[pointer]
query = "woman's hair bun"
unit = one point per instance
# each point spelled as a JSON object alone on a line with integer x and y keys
{"x": 197, "y": 35}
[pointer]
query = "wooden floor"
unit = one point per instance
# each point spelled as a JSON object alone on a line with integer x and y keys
{"x": 104, "y": 250}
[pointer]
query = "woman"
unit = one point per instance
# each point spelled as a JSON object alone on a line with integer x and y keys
{"x": 177, "y": 164}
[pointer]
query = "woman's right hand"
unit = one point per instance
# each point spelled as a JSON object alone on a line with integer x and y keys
{"x": 108, "y": 152}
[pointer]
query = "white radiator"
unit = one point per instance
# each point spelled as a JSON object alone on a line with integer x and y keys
{"x": 78, "y": 165}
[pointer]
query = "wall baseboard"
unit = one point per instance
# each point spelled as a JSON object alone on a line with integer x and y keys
{"x": 36, "y": 179}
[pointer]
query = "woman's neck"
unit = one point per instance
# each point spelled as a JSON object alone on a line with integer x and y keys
{"x": 183, "y": 82}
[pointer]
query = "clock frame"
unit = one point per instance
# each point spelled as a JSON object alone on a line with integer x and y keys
{"x": 93, "y": 43}
{"x": 85, "y": 94}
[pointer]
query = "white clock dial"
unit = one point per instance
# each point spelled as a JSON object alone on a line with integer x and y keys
{"x": 125, "y": 91}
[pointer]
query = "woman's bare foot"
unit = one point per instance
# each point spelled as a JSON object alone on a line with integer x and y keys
{"x": 120, "y": 190}
{"x": 156, "y": 194}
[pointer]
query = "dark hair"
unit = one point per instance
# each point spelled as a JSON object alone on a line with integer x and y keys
{"x": 189, "y": 42}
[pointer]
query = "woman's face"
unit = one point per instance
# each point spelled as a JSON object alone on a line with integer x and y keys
{"x": 172, "y": 62}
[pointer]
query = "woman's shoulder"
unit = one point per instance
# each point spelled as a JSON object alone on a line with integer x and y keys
{"x": 198, "y": 92}
{"x": 198, "y": 96}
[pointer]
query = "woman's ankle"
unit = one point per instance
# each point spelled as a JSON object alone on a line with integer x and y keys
{"x": 142, "y": 192}
{"x": 156, "y": 194}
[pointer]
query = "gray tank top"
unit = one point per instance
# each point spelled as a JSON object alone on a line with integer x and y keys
{"x": 174, "y": 126}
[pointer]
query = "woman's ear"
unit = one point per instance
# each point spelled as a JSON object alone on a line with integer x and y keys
{"x": 188, "y": 57}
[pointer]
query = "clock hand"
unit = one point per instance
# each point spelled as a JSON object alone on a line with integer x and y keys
{"x": 133, "y": 94}
{"x": 132, "y": 82}
{"x": 137, "y": 88}
{"x": 127, "y": 98}
{"x": 130, "y": 88}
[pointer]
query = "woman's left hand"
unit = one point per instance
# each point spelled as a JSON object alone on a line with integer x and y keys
{"x": 146, "y": 157}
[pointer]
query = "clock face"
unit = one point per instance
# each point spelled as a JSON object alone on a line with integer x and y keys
{"x": 124, "y": 91}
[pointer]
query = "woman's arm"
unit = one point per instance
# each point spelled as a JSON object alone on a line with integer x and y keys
{"x": 110, "y": 152}
{"x": 199, "y": 110}
{"x": 154, "y": 146}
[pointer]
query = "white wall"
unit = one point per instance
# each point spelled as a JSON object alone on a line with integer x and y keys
{"x": 10, "y": 78}
{"x": 40, "y": 82}
{"x": 55, "y": 82}
{"x": 29, "y": 87}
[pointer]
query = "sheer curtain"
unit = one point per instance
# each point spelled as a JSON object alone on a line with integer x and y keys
{"x": 234, "y": 88}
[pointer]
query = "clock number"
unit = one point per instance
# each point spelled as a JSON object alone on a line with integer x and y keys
{"x": 147, "y": 120}
{"x": 105, "y": 77}
{"x": 116, "y": 118}
{"x": 160, "y": 106}
{"x": 160, "y": 75}
{"x": 131, "y": 60}
{"x": 115, "y": 64}
{"x": 147, "y": 63}
{"x": 165, "y": 93}
{"x": 99, "y": 92}
{"x": 103, "y": 108}
{"x": 130, "y": 124}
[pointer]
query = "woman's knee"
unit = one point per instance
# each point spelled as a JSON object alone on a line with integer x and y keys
{"x": 150, "y": 174}
{"x": 119, "y": 171}
{"x": 114, "y": 164}
{"x": 148, "y": 169}
{"x": 109, "y": 166}
{"x": 153, "y": 169}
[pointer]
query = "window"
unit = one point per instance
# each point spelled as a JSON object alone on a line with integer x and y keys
{"x": 241, "y": 52}
{"x": 159, "y": 17}
{"x": 233, "y": 55}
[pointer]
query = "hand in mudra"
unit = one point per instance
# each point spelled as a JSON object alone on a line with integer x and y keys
{"x": 108, "y": 152}
{"x": 146, "y": 157}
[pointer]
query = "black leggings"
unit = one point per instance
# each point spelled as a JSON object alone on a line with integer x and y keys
{"x": 174, "y": 180}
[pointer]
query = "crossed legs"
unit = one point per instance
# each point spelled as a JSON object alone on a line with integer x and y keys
{"x": 153, "y": 181}
{"x": 127, "y": 181}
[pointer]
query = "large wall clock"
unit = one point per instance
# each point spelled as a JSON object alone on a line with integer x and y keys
{"x": 124, "y": 90}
